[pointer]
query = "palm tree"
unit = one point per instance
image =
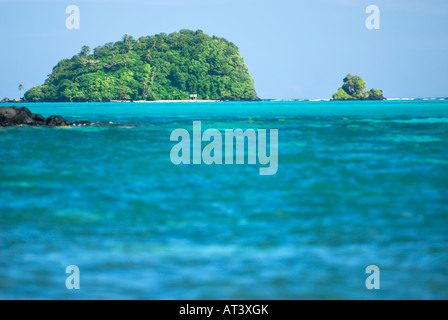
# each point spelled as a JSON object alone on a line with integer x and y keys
{"x": 127, "y": 39}
{"x": 148, "y": 56}
{"x": 85, "y": 51}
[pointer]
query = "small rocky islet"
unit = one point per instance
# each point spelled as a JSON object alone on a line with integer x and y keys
{"x": 354, "y": 88}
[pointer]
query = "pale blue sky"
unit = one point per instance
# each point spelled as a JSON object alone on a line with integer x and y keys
{"x": 294, "y": 49}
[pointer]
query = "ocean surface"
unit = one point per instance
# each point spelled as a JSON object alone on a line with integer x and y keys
{"x": 358, "y": 184}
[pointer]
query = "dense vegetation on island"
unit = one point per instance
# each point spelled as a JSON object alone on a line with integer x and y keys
{"x": 159, "y": 67}
{"x": 354, "y": 88}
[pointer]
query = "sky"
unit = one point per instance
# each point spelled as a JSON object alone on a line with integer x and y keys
{"x": 298, "y": 49}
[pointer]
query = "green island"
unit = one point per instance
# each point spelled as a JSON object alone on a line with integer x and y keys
{"x": 180, "y": 66}
{"x": 354, "y": 88}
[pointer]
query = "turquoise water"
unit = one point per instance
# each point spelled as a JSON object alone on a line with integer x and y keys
{"x": 358, "y": 184}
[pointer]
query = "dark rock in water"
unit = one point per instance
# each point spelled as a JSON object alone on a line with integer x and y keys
{"x": 81, "y": 124}
{"x": 14, "y": 116}
{"x": 57, "y": 121}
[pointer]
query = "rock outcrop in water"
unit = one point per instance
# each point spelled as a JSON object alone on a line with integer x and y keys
{"x": 14, "y": 116}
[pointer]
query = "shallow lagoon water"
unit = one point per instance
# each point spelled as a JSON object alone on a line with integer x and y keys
{"x": 358, "y": 183}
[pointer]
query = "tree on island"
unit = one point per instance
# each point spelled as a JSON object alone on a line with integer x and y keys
{"x": 127, "y": 38}
{"x": 354, "y": 88}
{"x": 159, "y": 67}
{"x": 85, "y": 51}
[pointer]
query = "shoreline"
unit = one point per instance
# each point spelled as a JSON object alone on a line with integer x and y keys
{"x": 146, "y": 101}
{"x": 210, "y": 101}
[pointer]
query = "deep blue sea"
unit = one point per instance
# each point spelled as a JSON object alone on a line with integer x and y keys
{"x": 358, "y": 184}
